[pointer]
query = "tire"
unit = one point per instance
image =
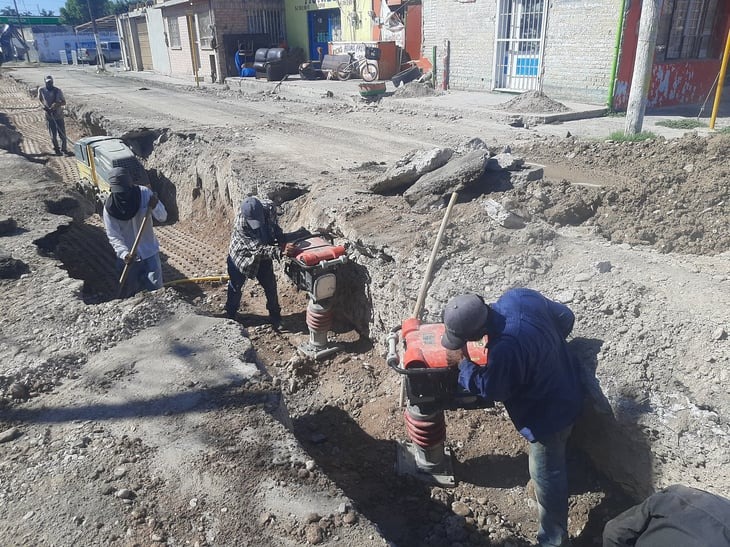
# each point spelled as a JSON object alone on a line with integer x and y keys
{"x": 343, "y": 71}
{"x": 369, "y": 72}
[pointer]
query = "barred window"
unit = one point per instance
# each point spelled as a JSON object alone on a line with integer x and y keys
{"x": 686, "y": 30}
{"x": 173, "y": 32}
{"x": 205, "y": 30}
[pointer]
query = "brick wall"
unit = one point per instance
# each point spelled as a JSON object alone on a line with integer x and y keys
{"x": 578, "y": 49}
{"x": 180, "y": 61}
{"x": 470, "y": 29}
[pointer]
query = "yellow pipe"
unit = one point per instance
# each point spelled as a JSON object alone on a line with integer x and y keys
{"x": 218, "y": 278}
{"x": 720, "y": 81}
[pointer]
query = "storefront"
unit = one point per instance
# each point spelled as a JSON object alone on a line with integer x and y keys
{"x": 315, "y": 23}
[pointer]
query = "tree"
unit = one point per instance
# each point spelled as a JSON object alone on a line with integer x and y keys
{"x": 11, "y": 12}
{"x": 76, "y": 12}
{"x": 47, "y": 13}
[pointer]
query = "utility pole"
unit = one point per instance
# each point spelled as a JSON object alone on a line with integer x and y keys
{"x": 22, "y": 34}
{"x": 100, "y": 66}
{"x": 648, "y": 26}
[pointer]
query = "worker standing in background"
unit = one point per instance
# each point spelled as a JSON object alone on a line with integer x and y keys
{"x": 124, "y": 213}
{"x": 255, "y": 241}
{"x": 532, "y": 371}
{"x": 53, "y": 102}
{"x": 677, "y": 516}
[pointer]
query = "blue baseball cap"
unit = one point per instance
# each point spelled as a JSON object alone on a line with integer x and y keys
{"x": 253, "y": 212}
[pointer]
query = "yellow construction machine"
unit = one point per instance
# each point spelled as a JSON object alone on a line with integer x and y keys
{"x": 95, "y": 157}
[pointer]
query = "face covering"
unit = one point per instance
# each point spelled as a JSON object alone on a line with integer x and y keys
{"x": 49, "y": 85}
{"x": 124, "y": 205}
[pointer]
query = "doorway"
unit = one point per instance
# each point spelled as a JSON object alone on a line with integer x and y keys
{"x": 520, "y": 33}
{"x": 324, "y": 27}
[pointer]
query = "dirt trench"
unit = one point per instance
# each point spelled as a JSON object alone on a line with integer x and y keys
{"x": 344, "y": 409}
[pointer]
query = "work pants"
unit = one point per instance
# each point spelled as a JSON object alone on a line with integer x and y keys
{"x": 265, "y": 277}
{"x": 57, "y": 128}
{"x": 143, "y": 275}
{"x": 548, "y": 472}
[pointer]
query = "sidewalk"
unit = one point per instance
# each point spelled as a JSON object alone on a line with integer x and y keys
{"x": 581, "y": 120}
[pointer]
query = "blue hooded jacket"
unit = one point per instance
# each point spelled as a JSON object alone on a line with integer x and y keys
{"x": 529, "y": 365}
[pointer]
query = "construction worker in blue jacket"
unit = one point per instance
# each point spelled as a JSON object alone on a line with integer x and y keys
{"x": 532, "y": 371}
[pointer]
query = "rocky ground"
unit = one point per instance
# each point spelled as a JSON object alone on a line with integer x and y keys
{"x": 155, "y": 420}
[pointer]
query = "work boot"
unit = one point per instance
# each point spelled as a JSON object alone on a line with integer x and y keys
{"x": 57, "y": 151}
{"x": 275, "y": 321}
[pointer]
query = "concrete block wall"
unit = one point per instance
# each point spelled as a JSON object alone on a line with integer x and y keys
{"x": 231, "y": 16}
{"x": 180, "y": 59}
{"x": 579, "y": 49}
{"x": 470, "y": 29}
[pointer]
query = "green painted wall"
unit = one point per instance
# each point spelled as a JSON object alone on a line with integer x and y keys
{"x": 354, "y": 18}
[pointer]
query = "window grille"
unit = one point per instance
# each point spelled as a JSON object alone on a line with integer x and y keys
{"x": 267, "y": 21}
{"x": 205, "y": 30}
{"x": 173, "y": 31}
{"x": 686, "y": 29}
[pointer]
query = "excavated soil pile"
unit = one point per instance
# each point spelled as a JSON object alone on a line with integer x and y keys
{"x": 531, "y": 102}
{"x": 675, "y": 198}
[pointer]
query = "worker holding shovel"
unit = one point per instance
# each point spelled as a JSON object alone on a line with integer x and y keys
{"x": 128, "y": 226}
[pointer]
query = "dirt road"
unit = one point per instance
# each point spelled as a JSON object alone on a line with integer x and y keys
{"x": 153, "y": 420}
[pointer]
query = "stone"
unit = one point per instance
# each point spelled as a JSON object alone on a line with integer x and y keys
{"x": 125, "y": 494}
{"x": 313, "y": 534}
{"x": 504, "y": 161}
{"x": 409, "y": 169}
{"x": 19, "y": 391}
{"x": 461, "y": 509}
{"x": 502, "y": 216}
{"x": 604, "y": 266}
{"x": 10, "y": 435}
{"x": 456, "y": 175}
{"x": 349, "y": 518}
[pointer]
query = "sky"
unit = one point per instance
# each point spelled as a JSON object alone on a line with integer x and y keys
{"x": 34, "y": 6}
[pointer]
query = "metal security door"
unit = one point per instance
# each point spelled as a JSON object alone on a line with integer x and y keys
{"x": 520, "y": 32}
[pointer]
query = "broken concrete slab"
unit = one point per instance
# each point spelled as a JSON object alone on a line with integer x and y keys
{"x": 528, "y": 173}
{"x": 502, "y": 216}
{"x": 409, "y": 169}
{"x": 457, "y": 174}
{"x": 505, "y": 160}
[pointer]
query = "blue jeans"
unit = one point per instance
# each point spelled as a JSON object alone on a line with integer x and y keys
{"x": 549, "y": 473}
{"x": 143, "y": 275}
{"x": 57, "y": 128}
{"x": 265, "y": 277}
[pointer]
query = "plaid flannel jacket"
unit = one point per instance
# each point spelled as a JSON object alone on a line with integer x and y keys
{"x": 248, "y": 246}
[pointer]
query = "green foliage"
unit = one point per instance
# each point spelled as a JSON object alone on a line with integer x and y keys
{"x": 724, "y": 131}
{"x": 9, "y": 12}
{"x": 685, "y": 123}
{"x": 122, "y": 6}
{"x": 619, "y": 136}
{"x": 76, "y": 12}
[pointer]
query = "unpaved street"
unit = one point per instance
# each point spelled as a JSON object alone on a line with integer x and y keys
{"x": 155, "y": 420}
